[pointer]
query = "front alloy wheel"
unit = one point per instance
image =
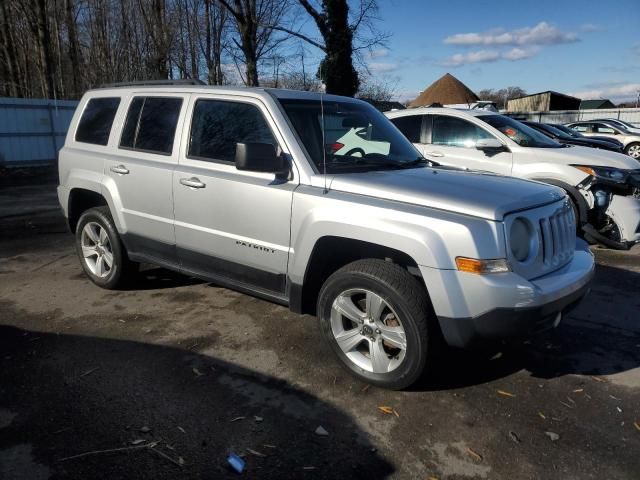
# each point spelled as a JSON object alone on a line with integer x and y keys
{"x": 368, "y": 331}
{"x": 633, "y": 150}
{"x": 377, "y": 319}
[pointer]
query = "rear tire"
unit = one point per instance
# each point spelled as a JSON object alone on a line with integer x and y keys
{"x": 378, "y": 320}
{"x": 102, "y": 255}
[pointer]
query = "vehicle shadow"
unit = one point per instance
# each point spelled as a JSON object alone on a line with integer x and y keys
{"x": 64, "y": 395}
{"x": 600, "y": 337}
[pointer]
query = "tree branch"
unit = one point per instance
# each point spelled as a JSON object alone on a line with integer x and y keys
{"x": 297, "y": 35}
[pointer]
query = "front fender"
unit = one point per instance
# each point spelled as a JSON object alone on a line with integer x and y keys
{"x": 432, "y": 238}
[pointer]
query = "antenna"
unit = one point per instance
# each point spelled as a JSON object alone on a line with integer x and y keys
{"x": 324, "y": 145}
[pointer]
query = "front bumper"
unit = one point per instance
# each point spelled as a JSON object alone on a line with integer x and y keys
{"x": 625, "y": 212}
{"x": 472, "y": 308}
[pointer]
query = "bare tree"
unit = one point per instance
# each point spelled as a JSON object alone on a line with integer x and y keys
{"x": 377, "y": 88}
{"x": 502, "y": 95}
{"x": 345, "y": 33}
{"x": 215, "y": 20}
{"x": 256, "y": 40}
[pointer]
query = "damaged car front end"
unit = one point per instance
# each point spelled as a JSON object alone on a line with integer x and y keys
{"x": 613, "y": 199}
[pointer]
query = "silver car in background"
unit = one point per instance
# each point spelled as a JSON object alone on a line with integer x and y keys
{"x": 319, "y": 203}
{"x": 604, "y": 128}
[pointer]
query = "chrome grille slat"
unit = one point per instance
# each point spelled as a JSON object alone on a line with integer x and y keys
{"x": 546, "y": 240}
{"x": 557, "y": 237}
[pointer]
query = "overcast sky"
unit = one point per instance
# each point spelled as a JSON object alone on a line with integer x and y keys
{"x": 586, "y": 48}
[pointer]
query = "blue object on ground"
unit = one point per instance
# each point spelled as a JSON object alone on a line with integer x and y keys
{"x": 236, "y": 462}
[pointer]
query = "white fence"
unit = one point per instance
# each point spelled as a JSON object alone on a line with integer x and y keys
{"x": 32, "y": 131}
{"x": 631, "y": 115}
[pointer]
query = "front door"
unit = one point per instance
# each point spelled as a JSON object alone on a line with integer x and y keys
{"x": 452, "y": 141}
{"x": 231, "y": 225}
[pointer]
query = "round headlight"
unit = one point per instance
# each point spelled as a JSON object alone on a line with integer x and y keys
{"x": 520, "y": 239}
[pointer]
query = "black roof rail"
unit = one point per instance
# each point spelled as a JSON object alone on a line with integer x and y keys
{"x": 156, "y": 83}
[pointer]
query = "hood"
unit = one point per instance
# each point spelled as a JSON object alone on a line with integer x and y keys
{"x": 590, "y": 142}
{"x": 477, "y": 194}
{"x": 604, "y": 139}
{"x": 575, "y": 155}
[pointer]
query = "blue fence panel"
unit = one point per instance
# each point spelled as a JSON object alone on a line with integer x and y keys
{"x": 32, "y": 131}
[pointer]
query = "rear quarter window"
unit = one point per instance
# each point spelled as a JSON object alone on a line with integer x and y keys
{"x": 96, "y": 121}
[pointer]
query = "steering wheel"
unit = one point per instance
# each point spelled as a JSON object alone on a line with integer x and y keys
{"x": 353, "y": 151}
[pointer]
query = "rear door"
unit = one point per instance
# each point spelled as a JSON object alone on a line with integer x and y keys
{"x": 231, "y": 225}
{"x": 604, "y": 130}
{"x": 451, "y": 141}
{"x": 141, "y": 169}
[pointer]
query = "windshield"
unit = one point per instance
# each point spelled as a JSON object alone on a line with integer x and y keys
{"x": 356, "y": 136}
{"x": 557, "y": 132}
{"x": 620, "y": 123}
{"x": 567, "y": 130}
{"x": 519, "y": 132}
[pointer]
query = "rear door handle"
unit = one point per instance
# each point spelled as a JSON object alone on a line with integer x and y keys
{"x": 434, "y": 154}
{"x": 119, "y": 169}
{"x": 192, "y": 182}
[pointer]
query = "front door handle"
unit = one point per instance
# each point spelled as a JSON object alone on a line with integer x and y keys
{"x": 192, "y": 182}
{"x": 119, "y": 169}
{"x": 434, "y": 154}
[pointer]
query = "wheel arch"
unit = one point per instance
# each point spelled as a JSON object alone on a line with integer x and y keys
{"x": 331, "y": 253}
{"x": 81, "y": 200}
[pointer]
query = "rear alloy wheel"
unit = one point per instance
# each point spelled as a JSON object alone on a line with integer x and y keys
{"x": 102, "y": 254}
{"x": 377, "y": 319}
{"x": 96, "y": 250}
{"x": 633, "y": 150}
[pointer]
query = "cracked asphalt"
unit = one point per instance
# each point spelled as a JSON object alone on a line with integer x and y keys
{"x": 165, "y": 379}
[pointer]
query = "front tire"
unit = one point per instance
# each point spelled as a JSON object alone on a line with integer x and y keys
{"x": 101, "y": 252}
{"x": 633, "y": 150}
{"x": 377, "y": 319}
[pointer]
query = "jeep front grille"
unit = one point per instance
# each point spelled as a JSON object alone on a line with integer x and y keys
{"x": 558, "y": 237}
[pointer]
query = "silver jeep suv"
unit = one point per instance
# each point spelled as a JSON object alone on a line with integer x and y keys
{"x": 317, "y": 202}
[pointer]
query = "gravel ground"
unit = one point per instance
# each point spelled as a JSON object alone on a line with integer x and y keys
{"x": 177, "y": 373}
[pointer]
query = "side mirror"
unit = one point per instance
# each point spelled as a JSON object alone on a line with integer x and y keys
{"x": 489, "y": 144}
{"x": 260, "y": 157}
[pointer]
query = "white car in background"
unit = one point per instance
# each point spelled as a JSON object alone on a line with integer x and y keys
{"x": 604, "y": 187}
{"x": 605, "y": 128}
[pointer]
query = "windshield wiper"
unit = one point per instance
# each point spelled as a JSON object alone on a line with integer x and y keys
{"x": 420, "y": 161}
{"x": 381, "y": 161}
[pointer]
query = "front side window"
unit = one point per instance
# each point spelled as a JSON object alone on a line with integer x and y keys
{"x": 96, "y": 121}
{"x": 410, "y": 126}
{"x": 456, "y": 132}
{"x": 349, "y": 136}
{"x": 519, "y": 132}
{"x": 580, "y": 128}
{"x": 217, "y": 127}
{"x": 151, "y": 124}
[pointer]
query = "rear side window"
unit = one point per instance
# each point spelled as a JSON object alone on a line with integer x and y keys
{"x": 410, "y": 126}
{"x": 151, "y": 124}
{"x": 579, "y": 128}
{"x": 96, "y": 121}
{"x": 218, "y": 125}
